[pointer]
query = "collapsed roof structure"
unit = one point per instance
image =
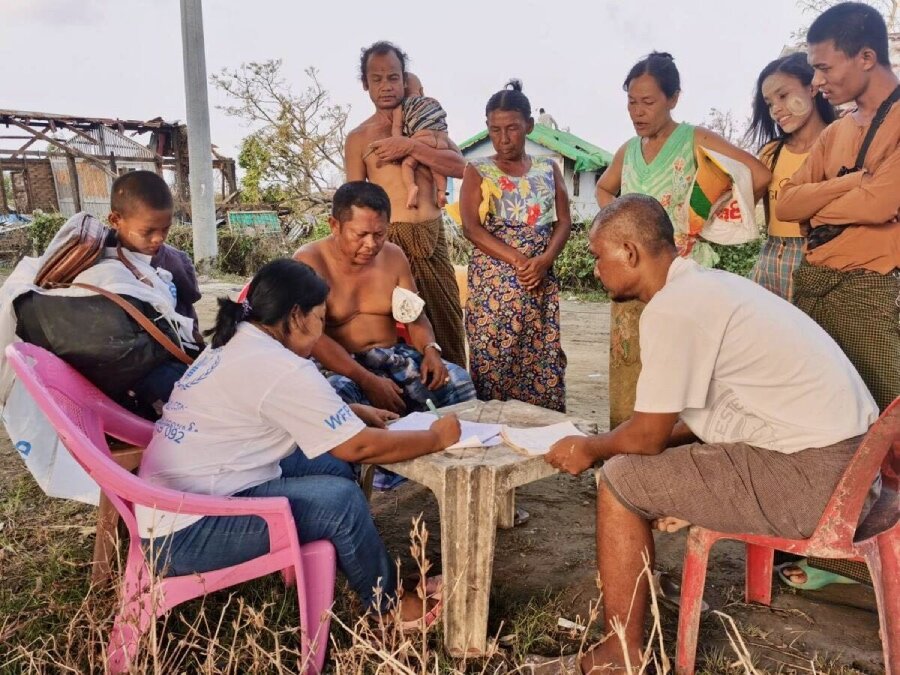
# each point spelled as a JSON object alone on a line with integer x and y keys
{"x": 67, "y": 163}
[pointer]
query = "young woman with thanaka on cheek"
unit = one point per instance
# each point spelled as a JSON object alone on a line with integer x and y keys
{"x": 788, "y": 116}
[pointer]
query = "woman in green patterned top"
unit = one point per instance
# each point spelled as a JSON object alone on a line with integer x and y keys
{"x": 512, "y": 313}
{"x": 659, "y": 161}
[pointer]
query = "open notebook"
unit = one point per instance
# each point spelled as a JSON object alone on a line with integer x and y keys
{"x": 538, "y": 440}
{"x": 473, "y": 434}
{"x": 534, "y": 440}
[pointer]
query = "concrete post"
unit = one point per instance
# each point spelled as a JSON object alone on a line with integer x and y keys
{"x": 624, "y": 359}
{"x": 203, "y": 206}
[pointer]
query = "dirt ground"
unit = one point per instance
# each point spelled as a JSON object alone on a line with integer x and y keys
{"x": 553, "y": 552}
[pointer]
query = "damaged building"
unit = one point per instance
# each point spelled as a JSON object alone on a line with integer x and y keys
{"x": 67, "y": 163}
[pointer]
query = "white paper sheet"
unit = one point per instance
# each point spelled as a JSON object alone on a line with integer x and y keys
{"x": 474, "y": 434}
{"x": 538, "y": 440}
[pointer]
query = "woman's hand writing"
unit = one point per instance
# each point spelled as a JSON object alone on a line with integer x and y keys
{"x": 447, "y": 429}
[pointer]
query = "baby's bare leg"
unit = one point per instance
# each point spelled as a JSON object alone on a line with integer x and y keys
{"x": 435, "y": 139}
{"x": 397, "y": 121}
{"x": 440, "y": 184}
{"x": 441, "y": 140}
{"x": 438, "y": 140}
{"x": 408, "y": 171}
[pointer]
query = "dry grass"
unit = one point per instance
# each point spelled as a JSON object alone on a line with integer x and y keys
{"x": 51, "y": 620}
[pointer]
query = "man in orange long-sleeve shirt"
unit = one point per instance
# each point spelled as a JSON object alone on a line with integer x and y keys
{"x": 849, "y": 282}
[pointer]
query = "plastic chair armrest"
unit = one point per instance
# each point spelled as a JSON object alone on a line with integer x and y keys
{"x": 208, "y": 505}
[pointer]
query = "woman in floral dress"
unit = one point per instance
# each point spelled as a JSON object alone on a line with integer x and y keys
{"x": 515, "y": 211}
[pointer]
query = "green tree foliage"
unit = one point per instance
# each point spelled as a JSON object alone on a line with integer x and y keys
{"x": 256, "y": 162}
{"x": 8, "y": 190}
{"x": 43, "y": 228}
{"x": 295, "y": 154}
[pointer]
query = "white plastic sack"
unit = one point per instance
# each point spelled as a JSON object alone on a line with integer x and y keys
{"x": 33, "y": 437}
{"x": 734, "y": 219}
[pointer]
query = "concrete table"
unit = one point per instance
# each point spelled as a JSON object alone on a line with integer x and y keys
{"x": 475, "y": 491}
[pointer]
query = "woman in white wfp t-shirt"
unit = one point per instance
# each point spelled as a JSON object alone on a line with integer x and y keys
{"x": 253, "y": 417}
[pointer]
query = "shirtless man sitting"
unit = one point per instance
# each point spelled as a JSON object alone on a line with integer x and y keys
{"x": 360, "y": 343}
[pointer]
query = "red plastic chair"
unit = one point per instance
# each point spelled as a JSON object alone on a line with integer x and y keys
{"x": 81, "y": 414}
{"x": 877, "y": 542}
{"x": 243, "y": 294}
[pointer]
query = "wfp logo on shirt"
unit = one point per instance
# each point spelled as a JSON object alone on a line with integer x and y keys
{"x": 337, "y": 419}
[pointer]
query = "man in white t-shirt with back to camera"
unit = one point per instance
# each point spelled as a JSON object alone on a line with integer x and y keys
{"x": 746, "y": 415}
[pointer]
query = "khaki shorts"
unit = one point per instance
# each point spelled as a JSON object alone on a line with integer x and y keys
{"x": 732, "y": 487}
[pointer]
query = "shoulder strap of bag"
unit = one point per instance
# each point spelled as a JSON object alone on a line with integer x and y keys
{"x": 773, "y": 161}
{"x": 825, "y": 233}
{"x": 880, "y": 114}
{"x": 130, "y": 266}
{"x": 142, "y": 320}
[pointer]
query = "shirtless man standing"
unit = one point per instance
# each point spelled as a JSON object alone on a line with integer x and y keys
{"x": 360, "y": 341}
{"x": 372, "y": 153}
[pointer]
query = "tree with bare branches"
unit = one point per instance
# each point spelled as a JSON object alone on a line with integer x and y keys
{"x": 296, "y": 150}
{"x": 724, "y": 123}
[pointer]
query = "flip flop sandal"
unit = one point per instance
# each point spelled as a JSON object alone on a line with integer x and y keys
{"x": 430, "y": 617}
{"x": 815, "y": 578}
{"x": 434, "y": 587}
{"x": 668, "y": 591}
{"x": 521, "y": 517}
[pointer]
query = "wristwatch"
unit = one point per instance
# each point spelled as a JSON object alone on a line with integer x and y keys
{"x": 433, "y": 345}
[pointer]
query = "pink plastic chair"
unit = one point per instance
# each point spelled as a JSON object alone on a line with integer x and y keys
{"x": 81, "y": 414}
{"x": 877, "y": 541}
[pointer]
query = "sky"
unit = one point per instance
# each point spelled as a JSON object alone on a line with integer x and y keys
{"x": 123, "y": 58}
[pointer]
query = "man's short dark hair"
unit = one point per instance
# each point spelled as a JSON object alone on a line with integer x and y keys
{"x": 380, "y": 48}
{"x": 852, "y": 26}
{"x": 140, "y": 187}
{"x": 540, "y": 110}
{"x": 362, "y": 195}
{"x": 637, "y": 217}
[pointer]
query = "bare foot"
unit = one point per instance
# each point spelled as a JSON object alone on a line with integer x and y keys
{"x": 607, "y": 657}
{"x": 669, "y": 524}
{"x": 795, "y": 574}
{"x": 412, "y": 197}
{"x": 411, "y": 607}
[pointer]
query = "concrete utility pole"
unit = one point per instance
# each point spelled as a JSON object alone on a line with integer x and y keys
{"x": 203, "y": 205}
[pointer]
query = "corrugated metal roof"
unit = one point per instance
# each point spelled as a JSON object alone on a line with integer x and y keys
{"x": 587, "y": 156}
{"x": 109, "y": 141}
